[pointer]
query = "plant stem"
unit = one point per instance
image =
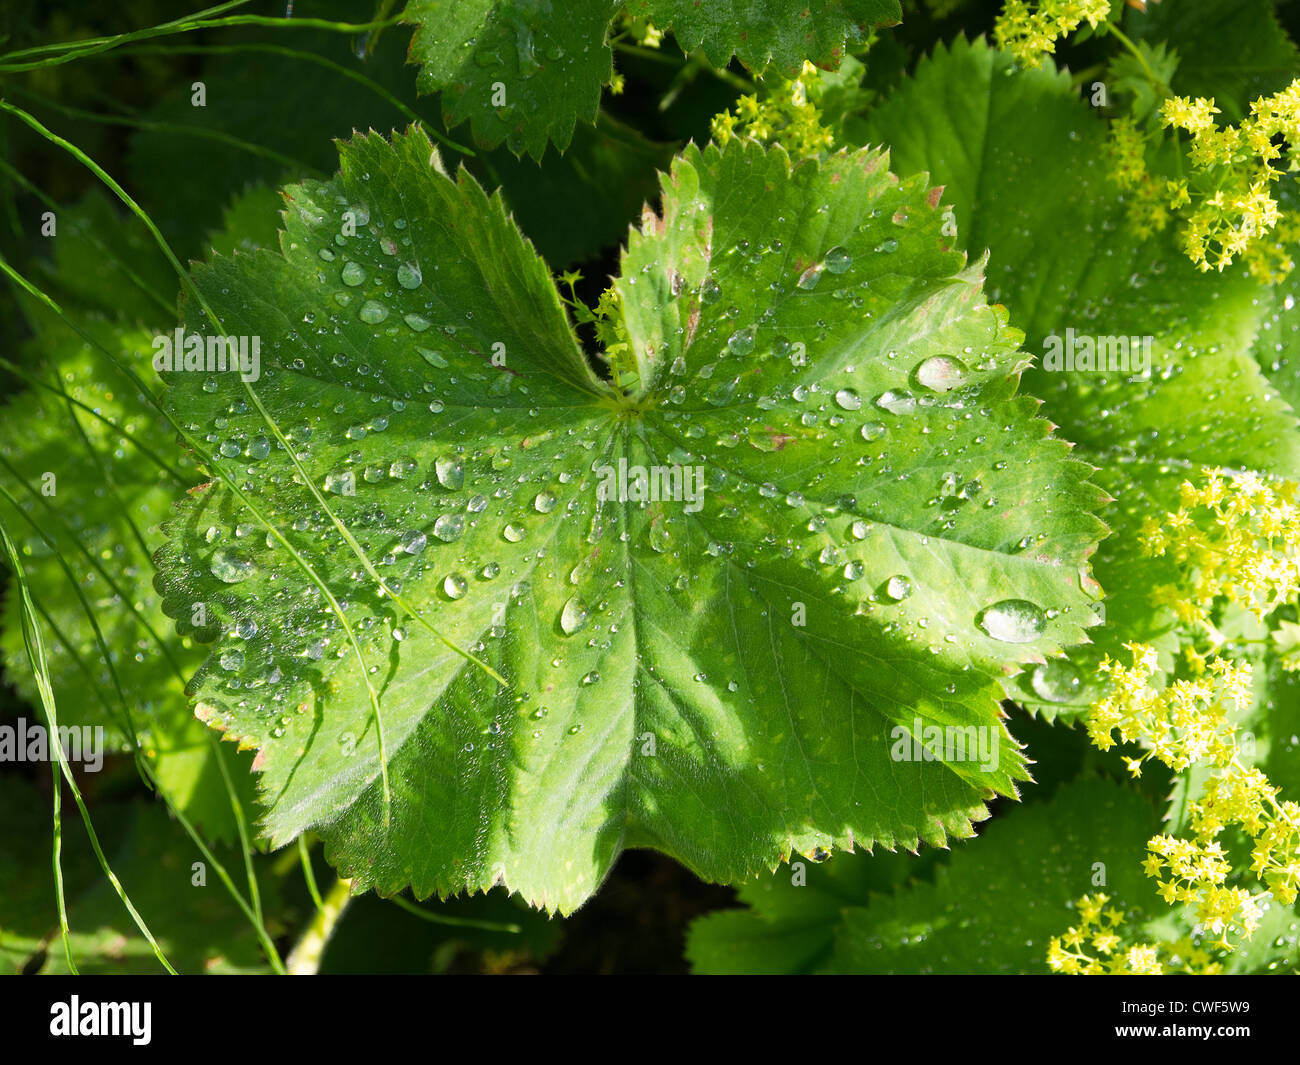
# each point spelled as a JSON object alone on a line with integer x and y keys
{"x": 304, "y": 959}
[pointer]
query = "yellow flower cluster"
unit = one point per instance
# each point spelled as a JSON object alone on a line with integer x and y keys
{"x": 1096, "y": 947}
{"x": 1238, "y": 539}
{"x": 786, "y": 116}
{"x": 1184, "y": 723}
{"x": 1233, "y": 211}
{"x": 1148, "y": 201}
{"x": 1030, "y": 34}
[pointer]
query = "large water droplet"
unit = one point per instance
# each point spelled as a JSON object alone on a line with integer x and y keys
{"x": 574, "y": 616}
{"x": 413, "y": 542}
{"x": 454, "y": 586}
{"x": 898, "y": 588}
{"x": 449, "y": 527}
{"x": 741, "y": 342}
{"x": 940, "y": 373}
{"x": 372, "y": 312}
{"x": 896, "y": 401}
{"x": 409, "y": 276}
{"x": 450, "y": 473}
{"x": 838, "y": 260}
{"x": 353, "y": 273}
{"x": 230, "y": 567}
{"x": 1012, "y": 621}
{"x": 1056, "y": 681}
{"x": 848, "y": 399}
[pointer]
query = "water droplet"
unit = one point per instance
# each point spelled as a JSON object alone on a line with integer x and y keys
{"x": 1012, "y": 621}
{"x": 454, "y": 586}
{"x": 809, "y": 278}
{"x": 838, "y": 260}
{"x": 896, "y": 401}
{"x": 353, "y": 273}
{"x": 898, "y": 588}
{"x": 544, "y": 502}
{"x": 848, "y": 399}
{"x": 372, "y": 312}
{"x": 514, "y": 533}
{"x": 741, "y": 342}
{"x": 1056, "y": 681}
{"x": 450, "y": 473}
{"x": 872, "y": 431}
{"x": 574, "y": 616}
{"x": 229, "y": 567}
{"x": 413, "y": 541}
{"x": 409, "y": 276}
{"x": 940, "y": 373}
{"x": 449, "y": 527}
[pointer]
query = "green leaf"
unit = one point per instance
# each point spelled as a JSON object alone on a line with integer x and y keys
{"x": 993, "y": 907}
{"x": 516, "y": 70}
{"x": 524, "y": 72}
{"x": 1068, "y": 262}
{"x": 792, "y": 917}
{"x": 858, "y": 916}
{"x": 197, "y": 925}
{"x": 759, "y": 32}
{"x": 868, "y": 472}
{"x": 1232, "y": 50}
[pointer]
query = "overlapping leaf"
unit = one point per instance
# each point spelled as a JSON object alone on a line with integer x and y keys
{"x": 1065, "y": 259}
{"x": 990, "y": 908}
{"x": 525, "y": 71}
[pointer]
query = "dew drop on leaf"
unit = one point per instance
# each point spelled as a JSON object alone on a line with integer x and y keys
{"x": 372, "y": 312}
{"x": 1056, "y": 681}
{"x": 409, "y": 276}
{"x": 574, "y": 616}
{"x": 940, "y": 373}
{"x": 896, "y": 401}
{"x": 1012, "y": 621}
{"x": 229, "y": 567}
{"x": 898, "y": 588}
{"x": 838, "y": 260}
{"x": 450, "y": 473}
{"x": 449, "y": 527}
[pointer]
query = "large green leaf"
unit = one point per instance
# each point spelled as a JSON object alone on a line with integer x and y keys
{"x": 1069, "y": 261}
{"x": 718, "y": 681}
{"x": 525, "y": 71}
